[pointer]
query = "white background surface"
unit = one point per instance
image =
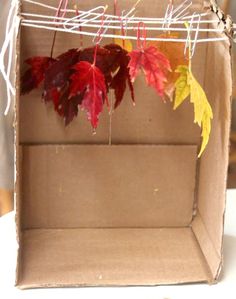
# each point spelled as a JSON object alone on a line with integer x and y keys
{"x": 195, "y": 291}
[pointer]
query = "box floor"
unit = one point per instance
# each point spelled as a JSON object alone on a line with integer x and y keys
{"x": 110, "y": 257}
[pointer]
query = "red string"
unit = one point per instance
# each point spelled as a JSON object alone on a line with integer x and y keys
{"x": 97, "y": 40}
{"x": 141, "y": 35}
{"x": 80, "y": 29}
{"x": 117, "y": 13}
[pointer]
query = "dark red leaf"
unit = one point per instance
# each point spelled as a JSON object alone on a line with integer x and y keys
{"x": 36, "y": 73}
{"x": 58, "y": 74}
{"x": 122, "y": 77}
{"x": 89, "y": 81}
{"x": 104, "y": 61}
{"x": 57, "y": 86}
{"x": 65, "y": 106}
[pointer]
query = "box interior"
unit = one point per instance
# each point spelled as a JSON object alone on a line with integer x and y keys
{"x": 141, "y": 211}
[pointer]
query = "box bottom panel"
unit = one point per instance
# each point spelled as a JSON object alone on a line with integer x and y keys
{"x": 110, "y": 257}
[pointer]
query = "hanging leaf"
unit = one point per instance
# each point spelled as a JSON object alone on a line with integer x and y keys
{"x": 182, "y": 85}
{"x": 89, "y": 81}
{"x": 174, "y": 51}
{"x": 104, "y": 61}
{"x": 113, "y": 61}
{"x": 120, "y": 70}
{"x": 154, "y": 64}
{"x": 34, "y": 76}
{"x": 66, "y": 107}
{"x": 126, "y": 44}
{"x": 58, "y": 75}
{"x": 187, "y": 85}
{"x": 56, "y": 85}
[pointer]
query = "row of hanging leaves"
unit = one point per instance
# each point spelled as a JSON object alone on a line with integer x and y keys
{"x": 82, "y": 78}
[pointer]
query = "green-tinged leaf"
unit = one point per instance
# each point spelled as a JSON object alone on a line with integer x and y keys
{"x": 198, "y": 98}
{"x": 187, "y": 85}
{"x": 206, "y": 127}
{"x": 182, "y": 85}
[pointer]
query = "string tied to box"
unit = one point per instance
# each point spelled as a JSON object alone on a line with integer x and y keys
{"x": 164, "y": 50}
{"x": 7, "y": 60}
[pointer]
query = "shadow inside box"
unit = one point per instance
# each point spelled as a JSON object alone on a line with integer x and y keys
{"x": 232, "y": 176}
{"x": 229, "y": 257}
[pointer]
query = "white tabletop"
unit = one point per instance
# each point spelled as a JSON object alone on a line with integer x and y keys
{"x": 192, "y": 291}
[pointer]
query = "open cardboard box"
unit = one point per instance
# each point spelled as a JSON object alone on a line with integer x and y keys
{"x": 143, "y": 211}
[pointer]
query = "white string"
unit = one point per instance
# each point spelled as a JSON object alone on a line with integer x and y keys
{"x": 138, "y": 19}
{"x": 76, "y": 25}
{"x": 203, "y": 40}
{"x": 196, "y": 37}
{"x": 135, "y": 20}
{"x": 172, "y": 16}
{"x": 11, "y": 27}
{"x": 5, "y": 45}
{"x": 85, "y": 19}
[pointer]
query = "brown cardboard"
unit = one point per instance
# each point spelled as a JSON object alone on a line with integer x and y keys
{"x": 65, "y": 257}
{"x": 108, "y": 186}
{"x": 214, "y": 164}
{"x": 143, "y": 211}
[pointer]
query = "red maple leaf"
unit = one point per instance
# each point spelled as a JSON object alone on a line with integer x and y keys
{"x": 36, "y": 73}
{"x": 57, "y": 85}
{"x": 58, "y": 74}
{"x": 154, "y": 64}
{"x": 113, "y": 61}
{"x": 122, "y": 76}
{"x": 89, "y": 81}
{"x": 103, "y": 61}
{"x": 67, "y": 107}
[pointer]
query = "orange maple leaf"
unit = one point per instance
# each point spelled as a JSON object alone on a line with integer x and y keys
{"x": 174, "y": 51}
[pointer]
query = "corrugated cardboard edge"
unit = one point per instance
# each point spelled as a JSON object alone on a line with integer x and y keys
{"x": 198, "y": 223}
{"x": 16, "y": 142}
{"x": 220, "y": 267}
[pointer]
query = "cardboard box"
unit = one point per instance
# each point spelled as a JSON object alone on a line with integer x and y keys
{"x": 143, "y": 211}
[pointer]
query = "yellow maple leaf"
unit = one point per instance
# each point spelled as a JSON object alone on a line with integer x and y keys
{"x": 123, "y": 43}
{"x": 182, "y": 86}
{"x": 187, "y": 85}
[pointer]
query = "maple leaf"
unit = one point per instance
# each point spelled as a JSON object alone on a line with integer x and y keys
{"x": 186, "y": 85}
{"x": 57, "y": 85}
{"x": 58, "y": 74}
{"x": 182, "y": 85}
{"x": 154, "y": 64}
{"x": 103, "y": 60}
{"x": 121, "y": 76}
{"x": 113, "y": 61}
{"x": 67, "y": 107}
{"x": 34, "y": 76}
{"x": 89, "y": 81}
{"x": 174, "y": 51}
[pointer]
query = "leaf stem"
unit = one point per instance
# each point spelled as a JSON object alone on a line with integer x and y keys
{"x": 53, "y": 43}
{"x": 189, "y": 47}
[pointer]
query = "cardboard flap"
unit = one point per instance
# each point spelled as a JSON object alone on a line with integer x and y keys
{"x": 214, "y": 162}
{"x": 81, "y": 257}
